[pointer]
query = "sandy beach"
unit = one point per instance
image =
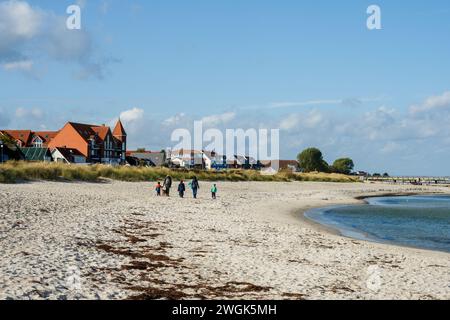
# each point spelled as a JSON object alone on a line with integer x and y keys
{"x": 116, "y": 240}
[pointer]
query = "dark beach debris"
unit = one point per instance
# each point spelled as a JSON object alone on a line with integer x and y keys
{"x": 147, "y": 264}
{"x": 294, "y": 296}
{"x": 301, "y": 261}
{"x": 200, "y": 291}
{"x": 135, "y": 254}
{"x": 130, "y": 237}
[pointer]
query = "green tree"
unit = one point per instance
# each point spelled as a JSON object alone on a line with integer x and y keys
{"x": 140, "y": 150}
{"x": 343, "y": 165}
{"x": 311, "y": 159}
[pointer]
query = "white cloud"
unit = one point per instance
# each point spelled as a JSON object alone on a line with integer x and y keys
{"x": 296, "y": 122}
{"x": 132, "y": 115}
{"x": 174, "y": 120}
{"x": 18, "y": 21}
{"x": 304, "y": 103}
{"x": 28, "y": 33}
{"x": 290, "y": 122}
{"x": 24, "y": 65}
{"x": 217, "y": 119}
{"x": 33, "y": 113}
{"x": 432, "y": 103}
{"x": 314, "y": 119}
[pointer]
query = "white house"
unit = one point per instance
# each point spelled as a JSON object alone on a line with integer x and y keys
{"x": 67, "y": 155}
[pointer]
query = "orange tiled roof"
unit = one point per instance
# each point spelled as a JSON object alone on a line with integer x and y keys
{"x": 119, "y": 130}
{"x": 86, "y": 131}
{"x": 102, "y": 131}
{"x": 23, "y": 135}
{"x": 46, "y": 136}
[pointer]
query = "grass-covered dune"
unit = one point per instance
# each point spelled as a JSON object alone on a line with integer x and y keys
{"x": 13, "y": 172}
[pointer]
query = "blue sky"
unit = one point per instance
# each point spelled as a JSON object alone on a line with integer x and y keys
{"x": 310, "y": 68}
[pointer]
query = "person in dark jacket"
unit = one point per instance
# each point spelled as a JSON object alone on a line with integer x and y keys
{"x": 195, "y": 186}
{"x": 181, "y": 189}
{"x": 167, "y": 185}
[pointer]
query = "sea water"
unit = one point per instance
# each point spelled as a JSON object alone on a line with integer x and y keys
{"x": 416, "y": 221}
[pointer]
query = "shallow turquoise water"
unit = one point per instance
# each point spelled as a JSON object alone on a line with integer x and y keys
{"x": 417, "y": 221}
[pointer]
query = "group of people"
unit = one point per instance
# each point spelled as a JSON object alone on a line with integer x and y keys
{"x": 194, "y": 185}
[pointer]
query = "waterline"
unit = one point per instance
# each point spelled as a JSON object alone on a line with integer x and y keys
{"x": 415, "y": 221}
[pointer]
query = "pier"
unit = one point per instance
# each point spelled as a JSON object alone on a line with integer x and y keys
{"x": 438, "y": 181}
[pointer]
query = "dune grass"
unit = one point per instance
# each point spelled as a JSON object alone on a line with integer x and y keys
{"x": 18, "y": 171}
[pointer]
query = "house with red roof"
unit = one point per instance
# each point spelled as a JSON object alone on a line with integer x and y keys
{"x": 98, "y": 144}
{"x": 30, "y": 139}
{"x": 74, "y": 142}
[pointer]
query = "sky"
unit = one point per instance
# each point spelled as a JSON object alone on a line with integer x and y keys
{"x": 309, "y": 68}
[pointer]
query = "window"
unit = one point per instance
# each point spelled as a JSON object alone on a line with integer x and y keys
{"x": 37, "y": 142}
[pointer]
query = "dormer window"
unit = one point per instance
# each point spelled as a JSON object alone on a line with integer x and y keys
{"x": 37, "y": 142}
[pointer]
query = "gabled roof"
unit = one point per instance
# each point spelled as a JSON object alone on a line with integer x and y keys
{"x": 119, "y": 130}
{"x": 46, "y": 136}
{"x": 23, "y": 135}
{"x": 69, "y": 153}
{"x": 102, "y": 131}
{"x": 86, "y": 131}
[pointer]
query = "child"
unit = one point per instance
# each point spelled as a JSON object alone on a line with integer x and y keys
{"x": 158, "y": 189}
{"x": 214, "y": 191}
{"x": 181, "y": 189}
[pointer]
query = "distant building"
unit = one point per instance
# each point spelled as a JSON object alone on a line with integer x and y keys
{"x": 37, "y": 154}
{"x": 74, "y": 143}
{"x": 98, "y": 144}
{"x": 154, "y": 159}
{"x": 9, "y": 151}
{"x": 190, "y": 159}
{"x": 67, "y": 155}
{"x": 291, "y": 165}
{"x": 30, "y": 139}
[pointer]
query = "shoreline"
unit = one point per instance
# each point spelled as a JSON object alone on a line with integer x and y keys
{"x": 361, "y": 199}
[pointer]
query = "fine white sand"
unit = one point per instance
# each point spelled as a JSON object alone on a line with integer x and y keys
{"x": 116, "y": 240}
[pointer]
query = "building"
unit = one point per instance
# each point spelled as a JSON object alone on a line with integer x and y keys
{"x": 195, "y": 159}
{"x": 67, "y": 155}
{"x": 190, "y": 159}
{"x": 37, "y": 154}
{"x": 149, "y": 158}
{"x": 98, "y": 144}
{"x": 291, "y": 165}
{"x": 74, "y": 143}
{"x": 9, "y": 151}
{"x": 30, "y": 139}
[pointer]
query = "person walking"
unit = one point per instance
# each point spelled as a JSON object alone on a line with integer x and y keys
{"x": 214, "y": 191}
{"x": 195, "y": 186}
{"x": 167, "y": 185}
{"x": 181, "y": 189}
